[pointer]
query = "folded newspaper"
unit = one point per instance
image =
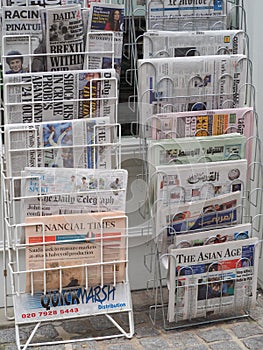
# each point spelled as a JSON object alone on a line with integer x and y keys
{"x": 82, "y": 143}
{"x": 52, "y": 96}
{"x": 213, "y": 279}
{"x": 187, "y": 14}
{"x": 191, "y": 83}
{"x": 193, "y": 43}
{"x": 75, "y": 250}
{"x": 53, "y": 191}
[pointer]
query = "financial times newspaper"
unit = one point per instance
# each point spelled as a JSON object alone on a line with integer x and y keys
{"x": 186, "y": 14}
{"x": 193, "y": 43}
{"x": 64, "y": 37}
{"x": 68, "y": 244}
{"x": 183, "y": 218}
{"x": 191, "y": 83}
{"x": 213, "y": 279}
{"x": 42, "y": 97}
{"x": 53, "y": 191}
{"x": 82, "y": 143}
{"x": 190, "y": 182}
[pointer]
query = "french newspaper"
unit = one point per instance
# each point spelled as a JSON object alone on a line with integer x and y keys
{"x": 75, "y": 250}
{"x": 53, "y": 96}
{"x": 212, "y": 279}
{"x": 190, "y": 83}
{"x": 193, "y": 43}
{"x": 82, "y": 143}
{"x": 64, "y": 37}
{"x": 54, "y": 191}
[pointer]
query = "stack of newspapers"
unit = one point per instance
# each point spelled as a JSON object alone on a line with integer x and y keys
{"x": 64, "y": 187}
{"x": 198, "y": 122}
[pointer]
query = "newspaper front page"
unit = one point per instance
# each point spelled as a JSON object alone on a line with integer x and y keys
{"x": 193, "y": 43}
{"x": 78, "y": 246}
{"x": 213, "y": 279}
{"x": 54, "y": 191}
{"x": 190, "y": 83}
{"x": 83, "y": 143}
{"x": 53, "y": 96}
{"x": 64, "y": 37}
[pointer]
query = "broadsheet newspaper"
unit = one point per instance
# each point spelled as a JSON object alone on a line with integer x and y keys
{"x": 203, "y": 123}
{"x": 53, "y": 191}
{"x": 22, "y": 38}
{"x": 60, "y": 249}
{"x": 190, "y": 182}
{"x": 83, "y": 143}
{"x": 193, "y": 43}
{"x": 213, "y": 279}
{"x": 64, "y": 37}
{"x": 186, "y": 14}
{"x": 191, "y": 83}
{"x": 40, "y": 97}
{"x": 196, "y": 149}
{"x": 181, "y": 218}
{"x": 105, "y": 36}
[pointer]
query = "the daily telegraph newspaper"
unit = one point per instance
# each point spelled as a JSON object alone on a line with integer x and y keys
{"x": 203, "y": 123}
{"x": 199, "y": 181}
{"x": 22, "y": 39}
{"x": 86, "y": 249}
{"x": 193, "y": 43}
{"x": 64, "y": 37}
{"x": 181, "y": 218}
{"x": 52, "y": 96}
{"x": 104, "y": 39}
{"x": 215, "y": 236}
{"x": 186, "y": 14}
{"x": 213, "y": 279}
{"x": 53, "y": 191}
{"x": 196, "y": 149}
{"x": 191, "y": 83}
{"x": 83, "y": 143}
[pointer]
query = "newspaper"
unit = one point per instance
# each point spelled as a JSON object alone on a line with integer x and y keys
{"x": 213, "y": 279}
{"x": 193, "y": 43}
{"x": 186, "y": 14}
{"x": 83, "y": 143}
{"x": 191, "y": 83}
{"x": 69, "y": 244}
{"x": 196, "y": 150}
{"x": 42, "y": 3}
{"x": 181, "y": 218}
{"x": 54, "y": 191}
{"x": 64, "y": 37}
{"x": 199, "y": 181}
{"x": 215, "y": 236}
{"x": 105, "y": 36}
{"x": 53, "y": 96}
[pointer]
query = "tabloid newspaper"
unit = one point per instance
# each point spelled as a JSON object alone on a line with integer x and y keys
{"x": 83, "y": 143}
{"x": 22, "y": 37}
{"x": 215, "y": 236}
{"x": 70, "y": 243}
{"x": 105, "y": 36}
{"x": 186, "y": 14}
{"x": 213, "y": 279}
{"x": 191, "y": 83}
{"x": 52, "y": 96}
{"x": 53, "y": 191}
{"x": 181, "y": 218}
{"x": 64, "y": 37}
{"x": 193, "y": 43}
{"x": 190, "y": 182}
{"x": 196, "y": 149}
{"x": 43, "y": 3}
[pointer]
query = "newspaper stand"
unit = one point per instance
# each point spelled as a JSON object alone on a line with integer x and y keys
{"x": 110, "y": 298}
